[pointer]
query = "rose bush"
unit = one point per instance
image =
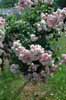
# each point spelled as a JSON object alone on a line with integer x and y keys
{"x": 28, "y": 36}
{"x": 36, "y": 59}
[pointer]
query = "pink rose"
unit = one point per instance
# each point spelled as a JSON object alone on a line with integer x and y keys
{"x": 2, "y": 22}
{"x": 64, "y": 58}
{"x": 26, "y": 57}
{"x": 64, "y": 10}
{"x": 45, "y": 58}
{"x": 24, "y": 3}
{"x": 36, "y": 51}
{"x": 51, "y": 20}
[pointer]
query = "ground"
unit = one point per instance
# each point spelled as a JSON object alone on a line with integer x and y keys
{"x": 12, "y": 86}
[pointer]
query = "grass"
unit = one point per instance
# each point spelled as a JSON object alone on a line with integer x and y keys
{"x": 55, "y": 89}
{"x": 8, "y": 85}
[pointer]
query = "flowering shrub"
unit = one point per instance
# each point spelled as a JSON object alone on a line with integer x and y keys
{"x": 28, "y": 37}
{"x": 38, "y": 60}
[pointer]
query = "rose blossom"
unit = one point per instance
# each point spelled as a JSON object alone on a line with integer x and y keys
{"x": 26, "y": 57}
{"x": 64, "y": 58}
{"x": 33, "y": 37}
{"x": 36, "y": 51}
{"x": 54, "y": 20}
{"x": 44, "y": 16}
{"x": 24, "y": 3}
{"x": 14, "y": 68}
{"x": 16, "y": 44}
{"x": 51, "y": 20}
{"x": 39, "y": 28}
{"x": 45, "y": 59}
{"x": 44, "y": 25}
{"x": 64, "y": 10}
{"x": 19, "y": 50}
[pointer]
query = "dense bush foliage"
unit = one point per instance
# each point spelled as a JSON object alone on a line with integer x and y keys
{"x": 61, "y": 3}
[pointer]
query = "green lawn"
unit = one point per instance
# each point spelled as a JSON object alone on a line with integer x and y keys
{"x": 9, "y": 84}
{"x": 11, "y": 87}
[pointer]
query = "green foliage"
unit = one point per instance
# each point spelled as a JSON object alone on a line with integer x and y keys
{"x": 61, "y": 3}
{"x": 7, "y": 3}
{"x": 23, "y": 26}
{"x": 33, "y": 15}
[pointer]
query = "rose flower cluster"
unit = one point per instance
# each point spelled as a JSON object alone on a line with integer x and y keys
{"x": 54, "y": 20}
{"x": 39, "y": 61}
{"x": 28, "y": 3}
